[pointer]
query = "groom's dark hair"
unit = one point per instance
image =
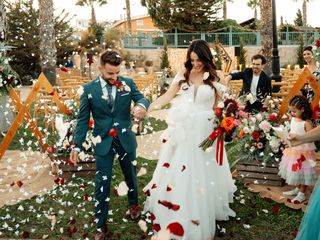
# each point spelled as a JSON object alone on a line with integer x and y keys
{"x": 111, "y": 57}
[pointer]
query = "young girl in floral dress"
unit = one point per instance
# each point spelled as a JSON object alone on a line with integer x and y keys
{"x": 297, "y": 166}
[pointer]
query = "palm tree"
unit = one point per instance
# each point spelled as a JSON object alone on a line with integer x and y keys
{"x": 266, "y": 31}
{"x": 90, "y": 3}
{"x": 47, "y": 44}
{"x": 225, "y": 8}
{"x": 2, "y": 23}
{"x": 128, "y": 16}
{"x": 254, "y": 4}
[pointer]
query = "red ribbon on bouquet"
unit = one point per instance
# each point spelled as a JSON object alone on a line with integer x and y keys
{"x": 218, "y": 133}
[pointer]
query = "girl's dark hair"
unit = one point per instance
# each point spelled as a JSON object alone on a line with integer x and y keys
{"x": 308, "y": 48}
{"x": 301, "y": 102}
{"x": 202, "y": 49}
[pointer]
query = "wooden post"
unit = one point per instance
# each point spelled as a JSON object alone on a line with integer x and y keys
{"x": 24, "y": 113}
{"x": 305, "y": 77}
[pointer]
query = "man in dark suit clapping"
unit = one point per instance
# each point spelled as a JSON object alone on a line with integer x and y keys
{"x": 255, "y": 81}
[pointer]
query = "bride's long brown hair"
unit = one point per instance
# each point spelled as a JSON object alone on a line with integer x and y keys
{"x": 202, "y": 49}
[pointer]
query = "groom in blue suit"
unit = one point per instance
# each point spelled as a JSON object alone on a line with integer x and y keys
{"x": 108, "y": 100}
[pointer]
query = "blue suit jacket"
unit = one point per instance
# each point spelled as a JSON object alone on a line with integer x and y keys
{"x": 104, "y": 118}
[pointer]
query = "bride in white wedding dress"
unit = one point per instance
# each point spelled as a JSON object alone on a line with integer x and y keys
{"x": 189, "y": 191}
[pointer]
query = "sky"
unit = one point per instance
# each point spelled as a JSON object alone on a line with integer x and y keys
{"x": 114, "y": 10}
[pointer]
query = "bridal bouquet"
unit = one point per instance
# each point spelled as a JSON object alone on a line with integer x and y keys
{"x": 225, "y": 122}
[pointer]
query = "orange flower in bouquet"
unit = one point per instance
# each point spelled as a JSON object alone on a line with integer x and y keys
{"x": 225, "y": 122}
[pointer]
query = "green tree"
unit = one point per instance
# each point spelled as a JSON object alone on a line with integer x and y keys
{"x": 112, "y": 37}
{"x": 25, "y": 38}
{"x": 243, "y": 55}
{"x": 299, "y": 20}
{"x": 196, "y": 15}
{"x": 254, "y": 4}
{"x": 91, "y": 3}
{"x": 164, "y": 58}
{"x": 300, "y": 59}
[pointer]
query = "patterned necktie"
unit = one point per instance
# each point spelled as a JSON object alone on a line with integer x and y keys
{"x": 110, "y": 97}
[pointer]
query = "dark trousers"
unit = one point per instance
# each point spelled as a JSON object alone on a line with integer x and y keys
{"x": 104, "y": 166}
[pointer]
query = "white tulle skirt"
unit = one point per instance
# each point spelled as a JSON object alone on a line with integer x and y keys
{"x": 189, "y": 189}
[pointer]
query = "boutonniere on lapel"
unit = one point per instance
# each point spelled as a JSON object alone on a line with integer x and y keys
{"x": 121, "y": 85}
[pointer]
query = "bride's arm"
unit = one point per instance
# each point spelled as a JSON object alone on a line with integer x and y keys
{"x": 165, "y": 98}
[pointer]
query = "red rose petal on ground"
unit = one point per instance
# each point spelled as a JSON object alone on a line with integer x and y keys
{"x": 275, "y": 209}
{"x": 62, "y": 181}
{"x": 19, "y": 183}
{"x": 169, "y": 189}
{"x": 175, "y": 207}
{"x": 167, "y": 165}
{"x": 86, "y": 197}
{"x": 176, "y": 229}
{"x": 56, "y": 180}
{"x": 12, "y": 184}
{"x": 25, "y": 234}
{"x": 156, "y": 227}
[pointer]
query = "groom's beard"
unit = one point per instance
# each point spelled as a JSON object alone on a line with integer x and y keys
{"x": 110, "y": 80}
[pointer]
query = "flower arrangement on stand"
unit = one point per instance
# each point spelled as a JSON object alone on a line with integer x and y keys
{"x": 316, "y": 57}
{"x": 256, "y": 135}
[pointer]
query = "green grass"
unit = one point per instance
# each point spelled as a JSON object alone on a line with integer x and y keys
{"x": 73, "y": 212}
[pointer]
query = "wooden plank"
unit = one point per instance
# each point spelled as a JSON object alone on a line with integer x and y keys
{"x": 264, "y": 182}
{"x": 256, "y": 169}
{"x": 262, "y": 176}
{"x": 258, "y": 163}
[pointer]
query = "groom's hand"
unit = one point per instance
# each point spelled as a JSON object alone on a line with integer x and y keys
{"x": 74, "y": 157}
{"x": 139, "y": 112}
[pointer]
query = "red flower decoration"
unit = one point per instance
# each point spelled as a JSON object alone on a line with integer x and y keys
{"x": 183, "y": 168}
{"x": 295, "y": 233}
{"x": 52, "y": 93}
{"x": 316, "y": 112}
{"x": 154, "y": 186}
{"x": 113, "y": 132}
{"x": 169, "y": 189}
{"x": 167, "y": 165}
{"x": 117, "y": 83}
{"x": 256, "y": 135}
{"x": 164, "y": 140}
{"x": 176, "y": 229}
{"x": 12, "y": 184}
{"x": 20, "y": 183}
{"x": 317, "y": 43}
{"x": 52, "y": 149}
{"x": 272, "y": 117}
{"x": 56, "y": 180}
{"x": 217, "y": 111}
{"x": 69, "y": 112}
